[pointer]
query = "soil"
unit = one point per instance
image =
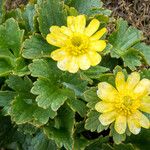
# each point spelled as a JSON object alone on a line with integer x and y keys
{"x": 136, "y": 12}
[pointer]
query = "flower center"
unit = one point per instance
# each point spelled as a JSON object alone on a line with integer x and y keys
{"x": 127, "y": 105}
{"x": 76, "y": 41}
{"x": 78, "y": 44}
{"x": 127, "y": 101}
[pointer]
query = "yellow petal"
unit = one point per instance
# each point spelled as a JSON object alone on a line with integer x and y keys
{"x": 107, "y": 118}
{"x": 76, "y": 24}
{"x": 120, "y": 82}
{"x": 99, "y": 34}
{"x": 94, "y": 58}
{"x": 92, "y": 27}
{"x": 73, "y": 65}
{"x": 133, "y": 80}
{"x": 71, "y": 22}
{"x": 54, "y": 40}
{"x": 120, "y": 124}
{"x": 59, "y": 54}
{"x": 145, "y": 104}
{"x": 142, "y": 119}
{"x": 107, "y": 92}
{"x": 66, "y": 30}
{"x": 57, "y": 32}
{"x": 133, "y": 125}
{"x": 104, "y": 107}
{"x": 84, "y": 62}
{"x": 97, "y": 45}
{"x": 80, "y": 22}
{"x": 142, "y": 88}
{"x": 63, "y": 64}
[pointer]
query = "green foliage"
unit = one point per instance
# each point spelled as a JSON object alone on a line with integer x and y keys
{"x": 51, "y": 12}
{"x": 42, "y": 107}
{"x": 36, "y": 47}
{"x": 11, "y": 38}
{"x": 123, "y": 40}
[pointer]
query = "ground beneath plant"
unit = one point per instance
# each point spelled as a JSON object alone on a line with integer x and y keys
{"x": 136, "y": 12}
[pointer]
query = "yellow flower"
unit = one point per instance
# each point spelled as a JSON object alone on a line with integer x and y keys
{"x": 124, "y": 104}
{"x": 78, "y": 45}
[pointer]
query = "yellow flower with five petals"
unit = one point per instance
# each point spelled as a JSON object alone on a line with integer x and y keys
{"x": 79, "y": 46}
{"x": 124, "y": 104}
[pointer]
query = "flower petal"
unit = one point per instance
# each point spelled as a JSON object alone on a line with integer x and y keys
{"x": 59, "y": 54}
{"x": 76, "y": 24}
{"x": 145, "y": 104}
{"x": 94, "y": 58}
{"x": 120, "y": 82}
{"x": 142, "y": 88}
{"x": 63, "y": 64}
{"x": 97, "y": 45}
{"x": 104, "y": 107}
{"x": 73, "y": 65}
{"x": 133, "y": 125}
{"x": 66, "y": 30}
{"x": 120, "y": 124}
{"x": 107, "y": 118}
{"x": 133, "y": 80}
{"x": 92, "y": 27}
{"x": 80, "y": 23}
{"x": 99, "y": 34}
{"x": 107, "y": 92}
{"x": 55, "y": 40}
{"x": 84, "y": 62}
{"x": 142, "y": 119}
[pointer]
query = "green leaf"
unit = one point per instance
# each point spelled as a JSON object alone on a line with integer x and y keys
{"x": 86, "y": 6}
{"x": 53, "y": 86}
{"x": 92, "y": 123}
{"x": 41, "y": 142}
{"x": 62, "y": 133}
{"x": 145, "y": 73}
{"x": 75, "y": 83}
{"x": 122, "y": 40}
{"x": 78, "y": 106}
{"x": 124, "y": 147}
{"x": 36, "y": 47}
{"x": 51, "y": 12}
{"x": 91, "y": 97}
{"x": 46, "y": 87}
{"x": 95, "y": 72}
{"x": 140, "y": 141}
{"x": 7, "y": 131}
{"x": 98, "y": 144}
{"x": 11, "y": 37}
{"x": 5, "y": 98}
{"x": 27, "y": 129}
{"x": 118, "y": 138}
{"x": 23, "y": 108}
{"x": 144, "y": 50}
{"x": 131, "y": 58}
{"x": 29, "y": 17}
{"x": 10, "y": 48}
{"x": 48, "y": 94}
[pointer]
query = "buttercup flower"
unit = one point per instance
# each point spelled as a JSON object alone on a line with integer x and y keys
{"x": 78, "y": 45}
{"x": 124, "y": 104}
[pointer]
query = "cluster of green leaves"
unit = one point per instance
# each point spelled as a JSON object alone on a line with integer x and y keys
{"x": 44, "y": 108}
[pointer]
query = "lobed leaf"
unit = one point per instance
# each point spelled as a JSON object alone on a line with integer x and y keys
{"x": 36, "y": 47}
{"x": 51, "y": 12}
{"x": 62, "y": 132}
{"x": 122, "y": 40}
{"x": 92, "y": 123}
{"x": 10, "y": 48}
